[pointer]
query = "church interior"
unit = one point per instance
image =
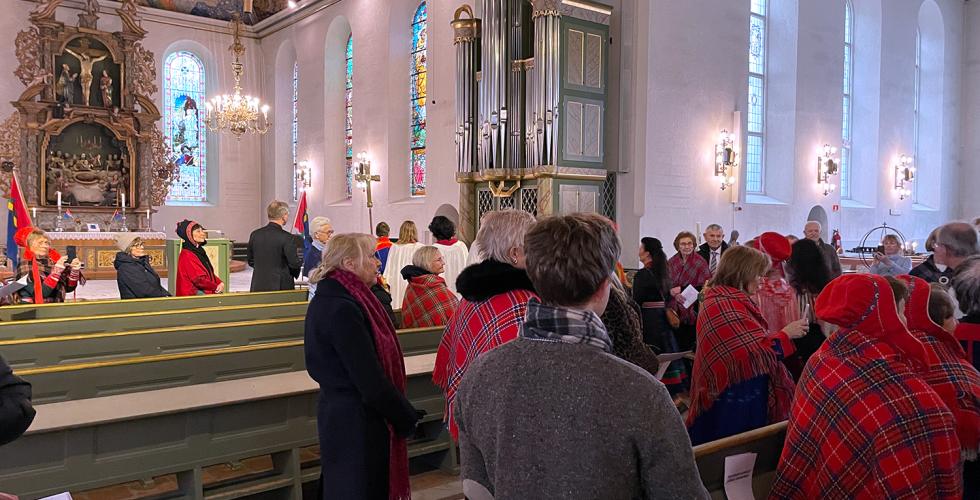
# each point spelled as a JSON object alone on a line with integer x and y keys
{"x": 133, "y": 123}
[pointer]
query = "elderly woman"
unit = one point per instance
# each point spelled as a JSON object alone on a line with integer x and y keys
{"x": 739, "y": 382}
{"x": 686, "y": 268}
{"x": 195, "y": 273}
{"x": 929, "y": 270}
{"x": 352, "y": 351}
{"x": 495, "y": 296}
{"x": 400, "y": 255}
{"x": 134, "y": 274}
{"x": 47, "y": 280}
{"x": 890, "y": 261}
{"x": 428, "y": 301}
{"x": 322, "y": 231}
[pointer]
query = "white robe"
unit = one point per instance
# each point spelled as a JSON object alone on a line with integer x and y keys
{"x": 455, "y": 256}
{"x": 399, "y": 256}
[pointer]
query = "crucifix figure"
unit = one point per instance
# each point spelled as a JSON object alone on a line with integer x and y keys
{"x": 364, "y": 176}
{"x": 87, "y": 57}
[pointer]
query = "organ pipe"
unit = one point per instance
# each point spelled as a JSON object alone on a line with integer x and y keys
{"x": 466, "y": 38}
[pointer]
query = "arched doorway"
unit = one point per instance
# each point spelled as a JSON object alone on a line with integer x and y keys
{"x": 818, "y": 214}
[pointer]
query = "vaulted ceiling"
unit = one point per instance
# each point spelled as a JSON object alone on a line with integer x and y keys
{"x": 219, "y": 9}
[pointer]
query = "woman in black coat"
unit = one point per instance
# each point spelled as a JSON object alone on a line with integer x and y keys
{"x": 353, "y": 353}
{"x": 16, "y": 412}
{"x": 134, "y": 274}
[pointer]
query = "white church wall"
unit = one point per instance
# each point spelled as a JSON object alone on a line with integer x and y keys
{"x": 970, "y": 132}
{"x": 696, "y": 77}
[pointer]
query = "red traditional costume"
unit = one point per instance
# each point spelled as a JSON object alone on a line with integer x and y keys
{"x": 428, "y": 301}
{"x": 195, "y": 274}
{"x": 864, "y": 424}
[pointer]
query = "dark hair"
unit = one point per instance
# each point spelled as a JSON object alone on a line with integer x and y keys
{"x": 684, "y": 234}
{"x": 809, "y": 269}
{"x": 382, "y": 229}
{"x": 658, "y": 265}
{"x": 899, "y": 289}
{"x": 940, "y": 305}
{"x": 569, "y": 257}
{"x": 442, "y": 228}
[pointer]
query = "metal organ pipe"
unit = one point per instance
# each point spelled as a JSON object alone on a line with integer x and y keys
{"x": 466, "y": 38}
{"x": 544, "y": 99}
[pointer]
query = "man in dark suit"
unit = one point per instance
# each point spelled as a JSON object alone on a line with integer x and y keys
{"x": 714, "y": 245}
{"x": 812, "y": 231}
{"x": 272, "y": 253}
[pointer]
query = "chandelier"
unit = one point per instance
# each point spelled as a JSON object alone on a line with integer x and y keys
{"x": 236, "y": 113}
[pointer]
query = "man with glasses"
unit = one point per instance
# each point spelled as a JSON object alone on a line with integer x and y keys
{"x": 322, "y": 232}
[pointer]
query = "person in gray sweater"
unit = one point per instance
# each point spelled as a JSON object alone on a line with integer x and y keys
{"x": 554, "y": 414}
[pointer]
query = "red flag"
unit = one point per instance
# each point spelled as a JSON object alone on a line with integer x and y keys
{"x": 300, "y": 223}
{"x": 23, "y": 217}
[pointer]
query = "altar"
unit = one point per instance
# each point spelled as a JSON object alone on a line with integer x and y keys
{"x": 97, "y": 250}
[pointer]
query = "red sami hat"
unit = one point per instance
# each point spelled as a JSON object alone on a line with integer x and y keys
{"x": 20, "y": 238}
{"x": 775, "y": 245}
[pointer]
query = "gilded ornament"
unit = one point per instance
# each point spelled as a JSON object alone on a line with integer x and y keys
{"x": 145, "y": 77}
{"x": 164, "y": 169}
{"x": 27, "y": 47}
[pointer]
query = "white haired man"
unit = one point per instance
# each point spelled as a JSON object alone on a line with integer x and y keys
{"x": 812, "y": 232}
{"x": 713, "y": 247}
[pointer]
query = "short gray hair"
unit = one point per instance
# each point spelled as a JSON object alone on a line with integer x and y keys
{"x": 966, "y": 282}
{"x": 819, "y": 225}
{"x": 277, "y": 209}
{"x": 500, "y": 231}
{"x": 714, "y": 227}
{"x": 959, "y": 238}
{"x": 424, "y": 256}
{"x": 319, "y": 222}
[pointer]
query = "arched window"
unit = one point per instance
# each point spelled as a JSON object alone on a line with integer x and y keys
{"x": 916, "y": 97}
{"x": 349, "y": 120}
{"x": 755, "y": 140}
{"x": 295, "y": 129}
{"x": 845, "y": 150}
{"x": 419, "y": 42}
{"x": 184, "y": 89}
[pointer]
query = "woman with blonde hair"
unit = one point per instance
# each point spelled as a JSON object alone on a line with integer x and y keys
{"x": 352, "y": 351}
{"x": 739, "y": 381}
{"x": 428, "y": 301}
{"x": 400, "y": 255}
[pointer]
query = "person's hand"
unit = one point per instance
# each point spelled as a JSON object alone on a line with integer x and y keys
{"x": 61, "y": 262}
{"x": 797, "y": 329}
{"x": 220, "y": 288}
{"x": 675, "y": 291}
{"x": 76, "y": 264}
{"x": 8, "y": 496}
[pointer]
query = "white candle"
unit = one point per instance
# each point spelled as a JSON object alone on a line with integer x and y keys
{"x": 34, "y": 213}
{"x": 124, "y": 200}
{"x": 59, "y": 199}
{"x": 147, "y": 214}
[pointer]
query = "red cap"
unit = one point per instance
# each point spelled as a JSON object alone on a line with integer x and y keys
{"x": 775, "y": 245}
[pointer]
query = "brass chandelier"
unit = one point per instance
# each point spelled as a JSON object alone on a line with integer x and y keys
{"x": 236, "y": 113}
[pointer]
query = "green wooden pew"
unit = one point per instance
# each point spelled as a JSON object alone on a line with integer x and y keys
{"x": 104, "y": 307}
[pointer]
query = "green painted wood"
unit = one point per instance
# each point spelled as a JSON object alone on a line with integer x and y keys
{"x": 160, "y": 319}
{"x": 219, "y": 250}
{"x": 419, "y": 341}
{"x": 102, "y": 307}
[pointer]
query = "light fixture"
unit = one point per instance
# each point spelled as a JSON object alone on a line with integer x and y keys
{"x": 292, "y": 4}
{"x": 725, "y": 159}
{"x": 826, "y": 167}
{"x": 304, "y": 175}
{"x": 236, "y": 113}
{"x": 904, "y": 175}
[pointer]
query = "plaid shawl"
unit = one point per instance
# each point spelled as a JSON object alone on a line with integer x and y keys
{"x": 480, "y": 323}
{"x": 863, "y": 423}
{"x": 732, "y": 347}
{"x": 546, "y": 323}
{"x": 683, "y": 272}
{"x": 61, "y": 282}
{"x": 428, "y": 302}
{"x": 953, "y": 378}
{"x": 777, "y": 303}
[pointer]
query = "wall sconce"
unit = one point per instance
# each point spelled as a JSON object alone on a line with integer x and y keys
{"x": 725, "y": 161}
{"x": 904, "y": 175}
{"x": 304, "y": 175}
{"x": 826, "y": 166}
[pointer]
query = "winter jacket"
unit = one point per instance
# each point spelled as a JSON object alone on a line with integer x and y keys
{"x": 136, "y": 278}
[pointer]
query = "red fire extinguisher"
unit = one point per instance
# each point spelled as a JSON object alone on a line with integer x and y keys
{"x": 837, "y": 241}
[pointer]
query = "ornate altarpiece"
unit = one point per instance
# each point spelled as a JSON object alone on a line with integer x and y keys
{"x": 86, "y": 124}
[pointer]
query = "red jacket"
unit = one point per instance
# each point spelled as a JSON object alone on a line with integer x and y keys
{"x": 193, "y": 277}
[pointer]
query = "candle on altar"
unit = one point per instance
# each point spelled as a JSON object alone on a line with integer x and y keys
{"x": 59, "y": 199}
{"x": 34, "y": 212}
{"x": 147, "y": 214}
{"x": 123, "y": 200}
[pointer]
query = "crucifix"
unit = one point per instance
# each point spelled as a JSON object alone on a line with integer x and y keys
{"x": 87, "y": 57}
{"x": 364, "y": 179}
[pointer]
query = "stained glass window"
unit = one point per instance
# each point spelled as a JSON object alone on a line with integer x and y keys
{"x": 755, "y": 156}
{"x": 295, "y": 130}
{"x": 184, "y": 127}
{"x": 349, "y": 120}
{"x": 845, "y": 150}
{"x": 419, "y": 42}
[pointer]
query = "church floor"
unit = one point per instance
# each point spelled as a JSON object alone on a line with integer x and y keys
{"x": 107, "y": 289}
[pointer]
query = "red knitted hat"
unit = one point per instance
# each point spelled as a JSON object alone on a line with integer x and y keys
{"x": 775, "y": 245}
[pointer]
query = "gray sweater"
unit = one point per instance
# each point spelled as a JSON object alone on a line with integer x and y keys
{"x": 542, "y": 419}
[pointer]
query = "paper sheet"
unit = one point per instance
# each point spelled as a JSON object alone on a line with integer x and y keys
{"x": 666, "y": 359}
{"x": 738, "y": 476}
{"x": 13, "y": 287}
{"x": 690, "y": 295}
{"x": 60, "y": 496}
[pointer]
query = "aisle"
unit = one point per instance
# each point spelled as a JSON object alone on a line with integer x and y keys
{"x": 107, "y": 289}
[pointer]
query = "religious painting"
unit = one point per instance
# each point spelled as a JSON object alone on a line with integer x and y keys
{"x": 219, "y": 9}
{"x": 87, "y": 75}
{"x": 184, "y": 127}
{"x": 88, "y": 166}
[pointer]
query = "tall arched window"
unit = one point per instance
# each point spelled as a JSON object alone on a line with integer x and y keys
{"x": 845, "y": 150}
{"x": 349, "y": 120}
{"x": 755, "y": 140}
{"x": 917, "y": 75}
{"x": 295, "y": 129}
{"x": 419, "y": 42}
{"x": 184, "y": 88}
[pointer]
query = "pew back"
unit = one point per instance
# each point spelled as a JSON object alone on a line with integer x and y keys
{"x": 765, "y": 442}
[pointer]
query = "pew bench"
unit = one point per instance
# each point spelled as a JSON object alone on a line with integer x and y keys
{"x": 765, "y": 442}
{"x": 183, "y": 431}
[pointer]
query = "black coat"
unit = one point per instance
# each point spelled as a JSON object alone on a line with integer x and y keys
{"x": 357, "y": 400}
{"x": 16, "y": 412}
{"x": 705, "y": 251}
{"x": 272, "y": 253}
{"x": 136, "y": 278}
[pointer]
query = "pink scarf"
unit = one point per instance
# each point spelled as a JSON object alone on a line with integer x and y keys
{"x": 393, "y": 363}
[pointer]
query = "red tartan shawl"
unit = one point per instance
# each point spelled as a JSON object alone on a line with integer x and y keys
{"x": 393, "y": 363}
{"x": 777, "y": 303}
{"x": 477, "y": 327}
{"x": 683, "y": 272}
{"x": 733, "y": 347}
{"x": 953, "y": 378}
{"x": 428, "y": 302}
